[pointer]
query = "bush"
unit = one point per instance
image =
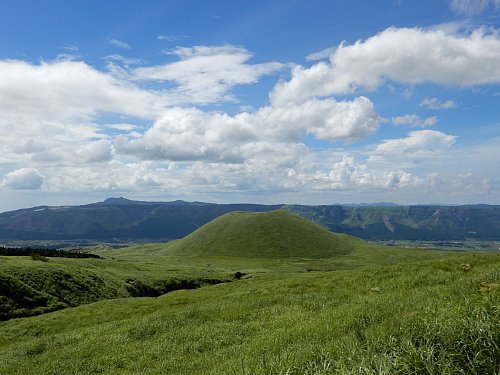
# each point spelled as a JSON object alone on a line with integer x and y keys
{"x": 36, "y": 256}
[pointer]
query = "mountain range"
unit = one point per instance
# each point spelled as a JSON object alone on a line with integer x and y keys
{"x": 122, "y": 219}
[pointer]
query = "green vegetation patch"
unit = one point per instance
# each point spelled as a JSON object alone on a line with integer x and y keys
{"x": 18, "y": 299}
{"x": 31, "y": 287}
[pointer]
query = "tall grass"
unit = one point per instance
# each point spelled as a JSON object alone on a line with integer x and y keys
{"x": 430, "y": 317}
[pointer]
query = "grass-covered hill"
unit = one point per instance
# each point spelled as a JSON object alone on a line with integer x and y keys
{"x": 276, "y": 234}
{"x": 123, "y": 219}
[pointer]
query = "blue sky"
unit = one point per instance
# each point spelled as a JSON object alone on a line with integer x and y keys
{"x": 250, "y": 101}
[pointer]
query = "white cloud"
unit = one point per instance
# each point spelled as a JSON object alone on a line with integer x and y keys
{"x": 206, "y": 74}
{"x": 23, "y": 179}
{"x": 71, "y": 48}
{"x": 486, "y": 184}
{"x": 414, "y": 120}
{"x": 327, "y": 119}
{"x": 119, "y": 44}
{"x": 191, "y": 134}
{"x": 171, "y": 38}
{"x": 464, "y": 181}
{"x": 122, "y": 127}
{"x": 63, "y": 90}
{"x": 419, "y": 143}
{"x": 473, "y": 7}
{"x": 403, "y": 55}
{"x": 320, "y": 55}
{"x": 47, "y": 111}
{"x": 96, "y": 152}
{"x": 123, "y": 60}
{"x": 348, "y": 174}
{"x": 435, "y": 103}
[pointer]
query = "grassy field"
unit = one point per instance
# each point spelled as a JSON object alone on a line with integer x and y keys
{"x": 370, "y": 310}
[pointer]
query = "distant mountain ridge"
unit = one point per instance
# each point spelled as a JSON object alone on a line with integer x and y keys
{"x": 124, "y": 219}
{"x": 124, "y": 201}
{"x": 481, "y": 222}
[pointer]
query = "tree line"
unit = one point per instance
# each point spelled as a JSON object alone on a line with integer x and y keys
{"x": 30, "y": 251}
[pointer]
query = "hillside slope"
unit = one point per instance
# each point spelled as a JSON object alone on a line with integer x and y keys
{"x": 432, "y": 317}
{"x": 32, "y": 287}
{"x": 277, "y": 234}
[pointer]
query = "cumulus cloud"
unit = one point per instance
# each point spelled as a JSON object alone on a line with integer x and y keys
{"x": 327, "y": 119}
{"x": 23, "y": 179}
{"x": 435, "y": 103}
{"x": 206, "y": 74}
{"x": 96, "y": 152}
{"x": 191, "y": 134}
{"x": 418, "y": 143}
{"x": 414, "y": 120}
{"x": 48, "y": 111}
{"x": 63, "y": 90}
{"x": 403, "y": 55}
{"x": 473, "y": 7}
{"x": 347, "y": 173}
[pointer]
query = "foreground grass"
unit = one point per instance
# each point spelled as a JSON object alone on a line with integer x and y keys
{"x": 426, "y": 317}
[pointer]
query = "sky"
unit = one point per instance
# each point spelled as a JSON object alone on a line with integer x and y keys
{"x": 286, "y": 101}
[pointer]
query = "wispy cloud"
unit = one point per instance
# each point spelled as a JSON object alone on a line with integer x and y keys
{"x": 123, "y": 60}
{"x": 171, "y": 38}
{"x": 473, "y": 7}
{"x": 119, "y": 44}
{"x": 435, "y": 103}
{"x": 206, "y": 74}
{"x": 320, "y": 55}
{"x": 414, "y": 120}
{"x": 71, "y": 48}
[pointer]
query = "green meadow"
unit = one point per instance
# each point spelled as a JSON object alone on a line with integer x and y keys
{"x": 266, "y": 293}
